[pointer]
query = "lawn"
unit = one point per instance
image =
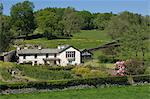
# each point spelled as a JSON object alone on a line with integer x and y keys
{"x": 124, "y": 92}
{"x": 83, "y": 39}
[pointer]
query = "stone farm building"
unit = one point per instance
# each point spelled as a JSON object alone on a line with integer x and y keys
{"x": 63, "y": 55}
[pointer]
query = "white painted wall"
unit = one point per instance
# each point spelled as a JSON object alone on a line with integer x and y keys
{"x": 31, "y": 58}
{"x": 61, "y": 56}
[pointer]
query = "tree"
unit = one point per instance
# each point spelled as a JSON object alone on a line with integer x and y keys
{"x": 71, "y": 21}
{"x": 131, "y": 32}
{"x": 1, "y": 13}
{"x": 87, "y": 20}
{"x": 121, "y": 23}
{"x": 102, "y": 20}
{"x": 47, "y": 22}
{"x": 5, "y": 34}
{"x": 23, "y": 18}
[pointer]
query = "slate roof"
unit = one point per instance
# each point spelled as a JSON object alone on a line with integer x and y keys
{"x": 42, "y": 51}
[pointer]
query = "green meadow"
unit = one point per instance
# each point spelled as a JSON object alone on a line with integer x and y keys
{"x": 81, "y": 40}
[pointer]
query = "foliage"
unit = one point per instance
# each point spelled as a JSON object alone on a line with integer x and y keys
{"x": 134, "y": 67}
{"x": 5, "y": 68}
{"x": 5, "y": 33}
{"x": 120, "y": 24}
{"x": 86, "y": 72}
{"x": 47, "y": 22}
{"x": 81, "y": 71}
{"x": 71, "y": 22}
{"x": 87, "y": 20}
{"x": 147, "y": 71}
{"x": 102, "y": 20}
{"x": 106, "y": 59}
{"x": 22, "y": 18}
{"x": 142, "y": 78}
{"x": 131, "y": 31}
{"x": 42, "y": 73}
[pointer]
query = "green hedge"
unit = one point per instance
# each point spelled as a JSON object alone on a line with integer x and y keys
{"x": 141, "y": 78}
{"x": 65, "y": 83}
{"x": 60, "y": 84}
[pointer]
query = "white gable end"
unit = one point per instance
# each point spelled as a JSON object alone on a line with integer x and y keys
{"x": 76, "y": 60}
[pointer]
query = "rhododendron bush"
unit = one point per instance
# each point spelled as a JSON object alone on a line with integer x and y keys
{"x": 120, "y": 66}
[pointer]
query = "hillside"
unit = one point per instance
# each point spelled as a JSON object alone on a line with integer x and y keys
{"x": 81, "y": 40}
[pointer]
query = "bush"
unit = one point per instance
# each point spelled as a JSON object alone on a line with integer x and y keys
{"x": 134, "y": 67}
{"x": 60, "y": 67}
{"x": 96, "y": 73}
{"x": 86, "y": 72}
{"x": 141, "y": 78}
{"x": 81, "y": 71}
{"x": 106, "y": 59}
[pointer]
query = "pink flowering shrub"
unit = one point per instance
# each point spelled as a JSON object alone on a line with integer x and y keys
{"x": 120, "y": 68}
{"x": 129, "y": 67}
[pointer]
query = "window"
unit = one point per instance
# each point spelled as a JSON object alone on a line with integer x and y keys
{"x": 24, "y": 56}
{"x": 35, "y": 55}
{"x": 55, "y": 55}
{"x": 46, "y": 55}
{"x": 35, "y": 62}
{"x": 70, "y": 54}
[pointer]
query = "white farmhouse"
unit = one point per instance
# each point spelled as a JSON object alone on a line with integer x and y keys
{"x": 63, "y": 55}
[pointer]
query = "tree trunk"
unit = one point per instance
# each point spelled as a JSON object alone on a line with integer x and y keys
{"x": 143, "y": 54}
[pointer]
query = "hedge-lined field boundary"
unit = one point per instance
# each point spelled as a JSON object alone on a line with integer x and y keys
{"x": 60, "y": 84}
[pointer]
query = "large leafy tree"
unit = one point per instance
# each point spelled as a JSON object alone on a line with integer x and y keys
{"x": 121, "y": 23}
{"x": 71, "y": 21}
{"x": 87, "y": 20}
{"x": 102, "y": 20}
{"x": 23, "y": 18}
{"x": 131, "y": 30}
{"x": 5, "y": 34}
{"x": 47, "y": 23}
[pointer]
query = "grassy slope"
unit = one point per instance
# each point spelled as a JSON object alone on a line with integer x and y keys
{"x": 127, "y": 92}
{"x": 84, "y": 39}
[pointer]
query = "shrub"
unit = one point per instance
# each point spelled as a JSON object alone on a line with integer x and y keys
{"x": 106, "y": 59}
{"x": 81, "y": 71}
{"x": 96, "y": 73}
{"x": 141, "y": 78}
{"x": 86, "y": 72}
{"x": 60, "y": 67}
{"x": 134, "y": 67}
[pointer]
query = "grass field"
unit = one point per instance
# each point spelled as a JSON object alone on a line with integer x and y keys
{"x": 126, "y": 92}
{"x": 83, "y": 39}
